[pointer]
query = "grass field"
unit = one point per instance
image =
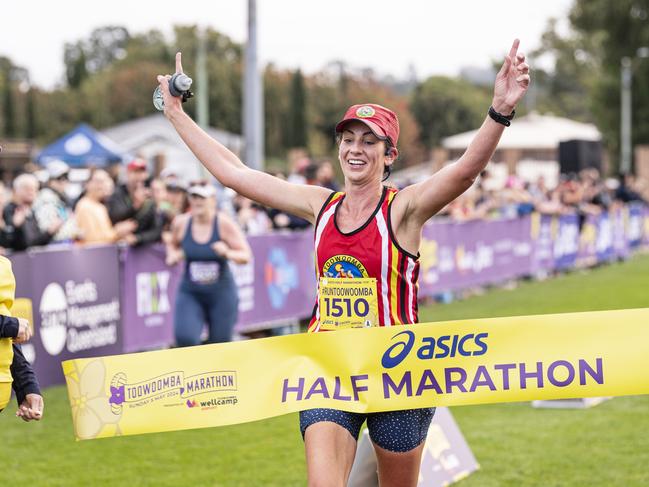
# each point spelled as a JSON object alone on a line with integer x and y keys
{"x": 514, "y": 444}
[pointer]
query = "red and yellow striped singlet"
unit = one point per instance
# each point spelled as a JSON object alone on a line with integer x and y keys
{"x": 369, "y": 251}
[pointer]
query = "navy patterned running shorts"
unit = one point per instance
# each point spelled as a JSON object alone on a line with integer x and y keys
{"x": 397, "y": 431}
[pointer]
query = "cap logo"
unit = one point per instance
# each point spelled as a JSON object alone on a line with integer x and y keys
{"x": 365, "y": 112}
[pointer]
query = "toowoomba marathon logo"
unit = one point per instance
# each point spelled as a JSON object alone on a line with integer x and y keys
{"x": 72, "y": 317}
{"x": 472, "y": 371}
{"x": 172, "y": 385}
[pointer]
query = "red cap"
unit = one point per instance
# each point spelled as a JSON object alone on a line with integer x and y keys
{"x": 382, "y": 121}
{"x": 137, "y": 165}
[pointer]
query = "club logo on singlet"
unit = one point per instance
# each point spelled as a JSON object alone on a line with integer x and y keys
{"x": 344, "y": 266}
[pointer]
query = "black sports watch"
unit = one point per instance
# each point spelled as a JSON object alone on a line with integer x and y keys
{"x": 506, "y": 120}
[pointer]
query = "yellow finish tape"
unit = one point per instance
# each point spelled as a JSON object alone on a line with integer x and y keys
{"x": 448, "y": 363}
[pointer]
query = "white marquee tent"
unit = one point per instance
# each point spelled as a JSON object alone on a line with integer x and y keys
{"x": 533, "y": 131}
{"x": 153, "y": 135}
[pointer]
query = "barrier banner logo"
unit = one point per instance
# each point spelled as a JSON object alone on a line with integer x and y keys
{"x": 478, "y": 361}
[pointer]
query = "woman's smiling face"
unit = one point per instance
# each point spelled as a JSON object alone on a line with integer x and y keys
{"x": 361, "y": 153}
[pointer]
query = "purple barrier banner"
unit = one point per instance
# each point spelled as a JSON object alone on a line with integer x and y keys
{"x": 604, "y": 247}
{"x": 105, "y": 300}
{"x": 148, "y": 292}
{"x": 459, "y": 255}
{"x": 586, "y": 254}
{"x": 543, "y": 229}
{"x": 566, "y": 242}
{"x": 20, "y": 264}
{"x": 511, "y": 241}
{"x": 279, "y": 284}
{"x": 620, "y": 242}
{"x": 75, "y": 296}
{"x": 635, "y": 224}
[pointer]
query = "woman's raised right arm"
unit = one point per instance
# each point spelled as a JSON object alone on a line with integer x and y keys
{"x": 300, "y": 200}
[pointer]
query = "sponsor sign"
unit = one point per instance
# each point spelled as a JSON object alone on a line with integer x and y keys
{"x": 148, "y": 291}
{"x": 279, "y": 285}
{"x": 75, "y": 296}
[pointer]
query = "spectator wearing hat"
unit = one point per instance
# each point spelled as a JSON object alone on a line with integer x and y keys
{"x": 52, "y": 203}
{"x": 92, "y": 215}
{"x": 132, "y": 201}
{"x": 21, "y": 227}
{"x": 177, "y": 195}
{"x": 207, "y": 240}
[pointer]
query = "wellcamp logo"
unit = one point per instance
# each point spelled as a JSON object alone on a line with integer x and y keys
{"x": 72, "y": 319}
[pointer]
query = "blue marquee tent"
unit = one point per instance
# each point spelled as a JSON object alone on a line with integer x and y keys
{"x": 82, "y": 146}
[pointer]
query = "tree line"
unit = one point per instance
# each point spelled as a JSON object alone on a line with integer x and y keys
{"x": 110, "y": 75}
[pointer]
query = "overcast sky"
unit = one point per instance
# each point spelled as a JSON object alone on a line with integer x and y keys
{"x": 436, "y": 37}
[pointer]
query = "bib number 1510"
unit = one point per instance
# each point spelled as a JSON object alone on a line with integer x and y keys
{"x": 336, "y": 307}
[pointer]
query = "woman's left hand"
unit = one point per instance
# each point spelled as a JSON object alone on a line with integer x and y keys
{"x": 512, "y": 81}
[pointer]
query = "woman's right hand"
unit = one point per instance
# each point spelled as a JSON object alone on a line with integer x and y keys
{"x": 171, "y": 103}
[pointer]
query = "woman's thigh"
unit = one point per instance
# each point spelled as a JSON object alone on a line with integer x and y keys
{"x": 189, "y": 318}
{"x": 223, "y": 311}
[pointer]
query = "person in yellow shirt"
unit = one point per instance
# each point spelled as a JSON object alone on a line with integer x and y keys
{"x": 15, "y": 370}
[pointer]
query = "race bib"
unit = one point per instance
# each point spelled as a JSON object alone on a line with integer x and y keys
{"x": 347, "y": 303}
{"x": 204, "y": 272}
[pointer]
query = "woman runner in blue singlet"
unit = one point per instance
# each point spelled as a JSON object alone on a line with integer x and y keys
{"x": 207, "y": 240}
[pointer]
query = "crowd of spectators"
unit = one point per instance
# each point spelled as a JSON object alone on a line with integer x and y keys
{"x": 133, "y": 212}
{"x": 135, "y": 208}
{"x": 586, "y": 193}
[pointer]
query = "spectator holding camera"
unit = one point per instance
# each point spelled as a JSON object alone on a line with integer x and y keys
{"x": 133, "y": 201}
{"x": 52, "y": 204}
{"x": 21, "y": 226}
